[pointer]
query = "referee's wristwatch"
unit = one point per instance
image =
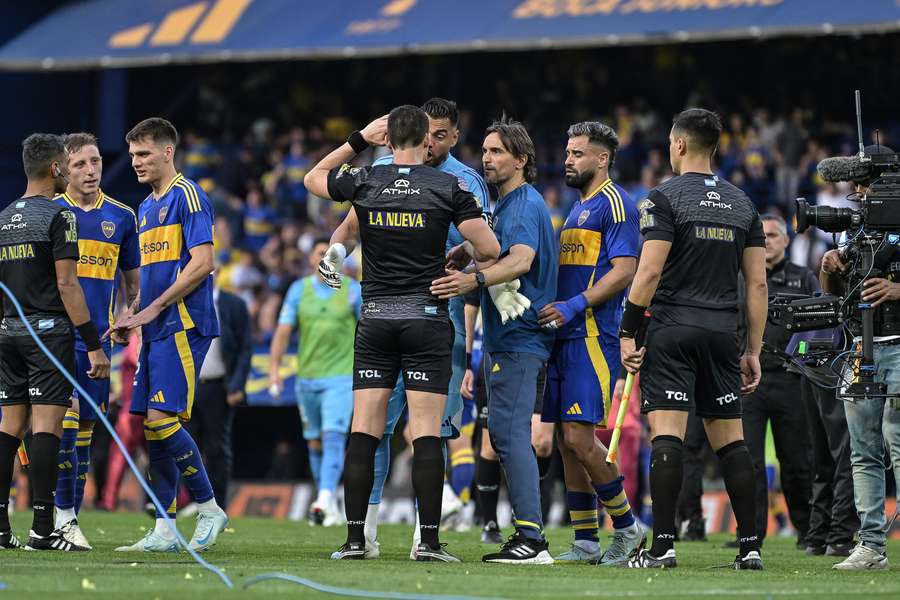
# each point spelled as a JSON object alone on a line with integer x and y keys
{"x": 479, "y": 279}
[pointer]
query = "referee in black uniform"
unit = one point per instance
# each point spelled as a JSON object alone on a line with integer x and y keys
{"x": 699, "y": 233}
{"x": 38, "y": 254}
{"x": 405, "y": 210}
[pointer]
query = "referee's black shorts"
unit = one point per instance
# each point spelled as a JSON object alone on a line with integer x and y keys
{"x": 687, "y": 366}
{"x": 27, "y": 376}
{"x": 420, "y": 349}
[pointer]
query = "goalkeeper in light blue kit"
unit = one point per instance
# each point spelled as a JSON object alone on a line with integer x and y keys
{"x": 443, "y": 121}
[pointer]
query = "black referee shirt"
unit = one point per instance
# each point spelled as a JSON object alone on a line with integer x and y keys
{"x": 709, "y": 222}
{"x": 34, "y": 233}
{"x": 404, "y": 215}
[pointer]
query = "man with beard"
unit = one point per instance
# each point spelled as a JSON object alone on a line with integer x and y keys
{"x": 598, "y": 250}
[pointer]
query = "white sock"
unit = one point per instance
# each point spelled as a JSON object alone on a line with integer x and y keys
{"x": 417, "y": 533}
{"x": 588, "y": 545}
{"x": 162, "y": 529}
{"x": 324, "y": 498}
{"x": 64, "y": 515}
{"x": 371, "y": 526}
{"x": 208, "y": 506}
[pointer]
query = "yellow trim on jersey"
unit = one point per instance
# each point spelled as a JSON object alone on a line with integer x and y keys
{"x": 190, "y": 194}
{"x": 579, "y": 247}
{"x": 601, "y": 368}
{"x": 178, "y": 177}
{"x": 596, "y": 190}
{"x": 161, "y": 244}
{"x": 187, "y": 362}
{"x": 590, "y": 324}
{"x": 125, "y": 207}
{"x": 615, "y": 203}
{"x": 65, "y": 196}
{"x": 186, "y": 321}
{"x": 100, "y": 198}
{"x": 97, "y": 260}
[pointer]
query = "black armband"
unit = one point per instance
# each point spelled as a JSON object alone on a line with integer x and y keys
{"x": 89, "y": 336}
{"x": 468, "y": 360}
{"x": 357, "y": 142}
{"x": 631, "y": 319}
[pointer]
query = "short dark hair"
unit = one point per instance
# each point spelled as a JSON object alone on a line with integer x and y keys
{"x": 441, "y": 108}
{"x": 320, "y": 240}
{"x": 597, "y": 133}
{"x": 39, "y": 150}
{"x": 702, "y": 127}
{"x": 155, "y": 128}
{"x": 407, "y": 126}
{"x": 517, "y": 142}
{"x": 76, "y": 141}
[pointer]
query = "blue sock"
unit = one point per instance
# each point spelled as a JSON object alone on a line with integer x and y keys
{"x": 180, "y": 446}
{"x": 83, "y": 453}
{"x": 68, "y": 462}
{"x": 583, "y": 514}
{"x": 333, "y": 445}
{"x": 462, "y": 472}
{"x": 163, "y": 474}
{"x": 613, "y": 497}
{"x": 382, "y": 467}
{"x": 315, "y": 464}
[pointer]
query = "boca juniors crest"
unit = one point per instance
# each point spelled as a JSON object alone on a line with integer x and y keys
{"x": 108, "y": 228}
{"x": 162, "y": 214}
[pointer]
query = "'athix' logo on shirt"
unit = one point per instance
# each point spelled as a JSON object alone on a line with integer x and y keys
{"x": 401, "y": 187}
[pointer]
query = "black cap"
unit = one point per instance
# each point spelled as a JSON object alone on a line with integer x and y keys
{"x": 877, "y": 149}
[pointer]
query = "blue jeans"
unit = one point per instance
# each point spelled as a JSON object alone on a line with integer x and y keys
{"x": 512, "y": 386}
{"x": 874, "y": 426}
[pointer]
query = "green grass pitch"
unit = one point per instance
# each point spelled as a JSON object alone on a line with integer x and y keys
{"x": 254, "y": 546}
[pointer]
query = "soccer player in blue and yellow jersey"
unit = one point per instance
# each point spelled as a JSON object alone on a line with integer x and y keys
{"x": 107, "y": 244}
{"x": 178, "y": 321}
{"x": 598, "y": 248}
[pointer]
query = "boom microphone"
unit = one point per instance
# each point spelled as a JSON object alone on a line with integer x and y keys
{"x": 841, "y": 168}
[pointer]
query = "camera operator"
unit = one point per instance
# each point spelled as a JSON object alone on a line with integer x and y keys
{"x": 776, "y": 400}
{"x": 873, "y": 423}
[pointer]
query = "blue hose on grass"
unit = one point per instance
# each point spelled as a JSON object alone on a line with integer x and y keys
{"x": 328, "y": 589}
{"x": 83, "y": 394}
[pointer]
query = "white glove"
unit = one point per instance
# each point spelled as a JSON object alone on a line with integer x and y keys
{"x": 330, "y": 265}
{"x": 508, "y": 301}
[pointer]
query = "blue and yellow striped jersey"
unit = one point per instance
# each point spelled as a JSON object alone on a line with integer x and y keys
{"x": 107, "y": 242}
{"x": 181, "y": 219}
{"x": 598, "y": 229}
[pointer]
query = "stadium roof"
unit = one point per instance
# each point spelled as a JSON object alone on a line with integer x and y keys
{"x": 127, "y": 33}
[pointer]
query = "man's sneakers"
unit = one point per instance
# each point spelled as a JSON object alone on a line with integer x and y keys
{"x": 491, "y": 533}
{"x": 209, "y": 525}
{"x": 751, "y": 561}
{"x": 839, "y": 549}
{"x": 350, "y": 551}
{"x": 425, "y": 553}
{"x": 9, "y": 541}
{"x": 626, "y": 542}
{"x": 520, "y": 550}
{"x": 644, "y": 560}
{"x": 53, "y": 541}
{"x": 72, "y": 532}
{"x": 693, "y": 530}
{"x": 578, "y": 554}
{"x": 861, "y": 559}
{"x": 152, "y": 542}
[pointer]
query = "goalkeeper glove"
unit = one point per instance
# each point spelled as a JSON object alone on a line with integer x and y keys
{"x": 508, "y": 301}
{"x": 330, "y": 265}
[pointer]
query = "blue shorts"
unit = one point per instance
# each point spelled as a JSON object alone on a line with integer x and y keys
{"x": 579, "y": 381}
{"x": 167, "y": 373}
{"x": 97, "y": 388}
{"x": 326, "y": 404}
{"x": 450, "y": 424}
